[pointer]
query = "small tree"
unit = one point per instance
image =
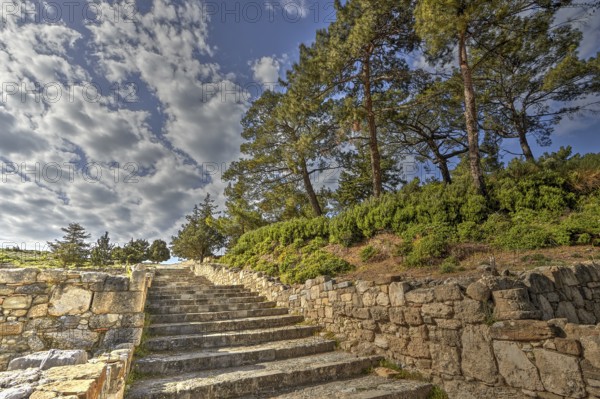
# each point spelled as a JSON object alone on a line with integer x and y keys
{"x": 72, "y": 249}
{"x": 136, "y": 251}
{"x": 101, "y": 253}
{"x": 159, "y": 252}
{"x": 199, "y": 237}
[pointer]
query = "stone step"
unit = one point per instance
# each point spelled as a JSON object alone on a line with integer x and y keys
{"x": 186, "y": 284}
{"x": 252, "y": 323}
{"x": 189, "y": 291}
{"x": 173, "y": 363}
{"x": 210, "y": 308}
{"x": 253, "y": 379}
{"x": 229, "y": 338}
{"x": 227, "y": 294}
{"x": 212, "y": 316}
{"x": 206, "y": 301}
{"x": 369, "y": 387}
{"x": 199, "y": 288}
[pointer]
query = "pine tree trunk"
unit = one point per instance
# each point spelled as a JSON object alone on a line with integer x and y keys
{"x": 441, "y": 161}
{"x": 443, "y": 166}
{"x": 525, "y": 147}
{"x": 471, "y": 118}
{"x": 372, "y": 126}
{"x": 312, "y": 196}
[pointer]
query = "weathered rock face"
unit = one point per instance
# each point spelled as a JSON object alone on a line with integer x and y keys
{"x": 515, "y": 367}
{"x": 54, "y": 309}
{"x": 48, "y": 359}
{"x": 69, "y": 300}
{"x": 495, "y": 337}
{"x": 477, "y": 356}
{"x": 99, "y": 378}
{"x": 560, "y": 373}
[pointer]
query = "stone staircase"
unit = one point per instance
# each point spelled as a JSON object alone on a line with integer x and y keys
{"x": 208, "y": 341}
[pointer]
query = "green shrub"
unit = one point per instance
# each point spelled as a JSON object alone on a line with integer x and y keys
{"x": 449, "y": 265}
{"x": 368, "y": 253}
{"x": 315, "y": 264}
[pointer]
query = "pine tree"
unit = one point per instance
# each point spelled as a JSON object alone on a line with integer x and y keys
{"x": 72, "y": 249}
{"x": 199, "y": 237}
{"x": 159, "y": 252}
{"x": 101, "y": 253}
{"x": 535, "y": 79}
{"x": 136, "y": 251}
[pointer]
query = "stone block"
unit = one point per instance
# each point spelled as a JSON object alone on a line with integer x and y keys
{"x": 413, "y": 316}
{"x": 93, "y": 277}
{"x": 567, "y": 310}
{"x": 33, "y": 289}
{"x": 479, "y": 291}
{"x": 515, "y": 367}
{"x": 18, "y": 276}
{"x": 69, "y": 300}
{"x": 397, "y": 291}
{"x": 560, "y": 373}
{"x": 445, "y": 359}
{"x": 447, "y": 292}
{"x": 103, "y": 321}
{"x": 20, "y": 392}
{"x": 568, "y": 346}
{"x": 382, "y": 299}
{"x": 397, "y": 315}
{"x": 539, "y": 283}
{"x": 52, "y": 276}
{"x": 118, "y": 302}
{"x": 514, "y": 304}
{"x": 522, "y": 330}
{"x": 379, "y": 313}
{"x": 48, "y": 359}
{"x": 11, "y": 328}
{"x": 17, "y": 302}
{"x": 71, "y": 339}
{"x": 477, "y": 357}
{"x": 438, "y": 310}
{"x": 469, "y": 311}
{"x": 40, "y": 310}
{"x": 116, "y": 283}
{"x": 591, "y": 349}
{"x": 564, "y": 276}
{"x": 421, "y": 295}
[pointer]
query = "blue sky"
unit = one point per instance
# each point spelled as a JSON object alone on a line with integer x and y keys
{"x": 121, "y": 115}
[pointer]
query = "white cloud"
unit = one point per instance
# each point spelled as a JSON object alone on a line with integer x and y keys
{"x": 266, "y": 70}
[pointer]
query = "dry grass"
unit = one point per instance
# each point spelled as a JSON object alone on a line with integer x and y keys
{"x": 470, "y": 257}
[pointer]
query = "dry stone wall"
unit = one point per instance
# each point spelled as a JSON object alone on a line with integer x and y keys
{"x": 69, "y": 309}
{"x": 534, "y": 335}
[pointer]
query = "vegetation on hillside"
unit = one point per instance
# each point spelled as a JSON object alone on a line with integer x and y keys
{"x": 531, "y": 205}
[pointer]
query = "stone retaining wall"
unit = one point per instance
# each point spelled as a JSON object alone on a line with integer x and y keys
{"x": 69, "y": 309}
{"x": 528, "y": 336}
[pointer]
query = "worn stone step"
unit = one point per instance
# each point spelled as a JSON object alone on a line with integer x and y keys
{"x": 189, "y": 282}
{"x": 200, "y": 295}
{"x": 172, "y": 363}
{"x": 211, "y": 307}
{"x": 206, "y": 301}
{"x": 212, "y": 316}
{"x": 229, "y": 338}
{"x": 252, "y": 323}
{"x": 369, "y": 387}
{"x": 254, "y": 379}
{"x": 190, "y": 291}
{"x": 194, "y": 288}
{"x": 197, "y": 290}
